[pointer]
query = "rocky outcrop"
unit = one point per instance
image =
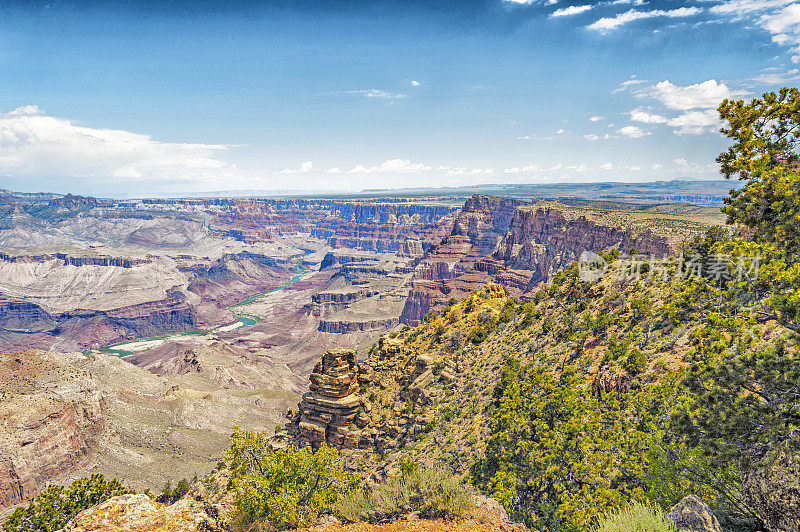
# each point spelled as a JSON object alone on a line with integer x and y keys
{"x": 52, "y": 423}
{"x": 335, "y": 413}
{"x": 772, "y": 488}
{"x": 140, "y": 513}
{"x": 693, "y": 515}
{"x": 513, "y": 243}
{"x": 328, "y": 410}
{"x": 71, "y": 260}
{"x": 346, "y": 327}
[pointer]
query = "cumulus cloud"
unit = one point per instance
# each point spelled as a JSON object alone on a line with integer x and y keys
{"x": 531, "y": 168}
{"x": 607, "y": 24}
{"x": 633, "y": 132}
{"x": 571, "y": 10}
{"x": 595, "y": 118}
{"x": 695, "y": 122}
{"x": 415, "y": 83}
{"x": 391, "y": 166}
{"x": 35, "y": 144}
{"x": 592, "y": 137}
{"x": 304, "y": 169}
{"x": 607, "y": 166}
{"x": 646, "y": 117}
{"x": 706, "y": 95}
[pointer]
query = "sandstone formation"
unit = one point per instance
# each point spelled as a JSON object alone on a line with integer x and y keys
{"x": 334, "y": 412}
{"x": 328, "y": 410}
{"x": 693, "y": 515}
{"x": 52, "y": 422}
{"x": 514, "y": 243}
{"x": 140, "y": 513}
{"x": 375, "y": 227}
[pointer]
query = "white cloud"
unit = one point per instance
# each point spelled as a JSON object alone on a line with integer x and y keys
{"x": 571, "y": 10}
{"x": 686, "y": 168}
{"x": 695, "y": 122}
{"x": 741, "y": 7}
{"x": 415, "y": 83}
{"x": 560, "y": 134}
{"x": 633, "y": 132}
{"x": 646, "y": 117}
{"x": 607, "y": 166}
{"x": 785, "y": 20}
{"x": 377, "y": 93}
{"x": 656, "y": 166}
{"x": 391, "y": 166}
{"x": 304, "y": 169}
{"x": 628, "y": 83}
{"x": 522, "y": 169}
{"x": 592, "y": 137}
{"x": 333, "y": 170}
{"x": 706, "y": 95}
{"x": 35, "y": 144}
{"x": 607, "y": 24}
{"x": 463, "y": 170}
{"x": 595, "y": 118}
{"x": 777, "y": 78}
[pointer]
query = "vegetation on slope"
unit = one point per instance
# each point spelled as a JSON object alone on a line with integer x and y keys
{"x": 56, "y": 505}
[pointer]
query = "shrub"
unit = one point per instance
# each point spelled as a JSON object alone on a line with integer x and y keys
{"x": 433, "y": 492}
{"x": 56, "y": 505}
{"x": 637, "y": 517}
{"x": 636, "y": 362}
{"x": 284, "y": 488}
{"x": 478, "y": 335}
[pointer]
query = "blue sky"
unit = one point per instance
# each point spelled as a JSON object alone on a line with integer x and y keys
{"x": 127, "y": 98}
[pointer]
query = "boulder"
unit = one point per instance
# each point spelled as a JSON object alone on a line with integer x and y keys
{"x": 693, "y": 515}
{"x": 140, "y": 513}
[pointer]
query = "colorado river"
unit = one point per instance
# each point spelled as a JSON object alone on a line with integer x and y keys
{"x": 130, "y": 347}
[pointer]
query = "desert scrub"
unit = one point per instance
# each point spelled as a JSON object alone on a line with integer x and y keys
{"x": 281, "y": 489}
{"x": 431, "y": 491}
{"x": 637, "y": 517}
{"x": 56, "y": 505}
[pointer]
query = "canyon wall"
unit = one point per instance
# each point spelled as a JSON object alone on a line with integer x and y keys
{"x": 375, "y": 227}
{"x": 514, "y": 243}
{"x": 52, "y": 423}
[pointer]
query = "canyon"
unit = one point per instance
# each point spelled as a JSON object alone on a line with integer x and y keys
{"x": 137, "y": 333}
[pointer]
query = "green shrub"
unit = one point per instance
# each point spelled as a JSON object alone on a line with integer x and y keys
{"x": 478, "y": 335}
{"x": 636, "y": 518}
{"x": 635, "y": 362}
{"x": 433, "y": 492}
{"x": 56, "y": 505}
{"x": 284, "y": 488}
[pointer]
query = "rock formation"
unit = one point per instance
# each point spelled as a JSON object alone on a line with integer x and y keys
{"x": 693, "y": 515}
{"x": 52, "y": 422}
{"x": 330, "y": 408}
{"x": 514, "y": 243}
{"x": 140, "y": 513}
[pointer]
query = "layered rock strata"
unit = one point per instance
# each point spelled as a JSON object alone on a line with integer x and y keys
{"x": 514, "y": 243}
